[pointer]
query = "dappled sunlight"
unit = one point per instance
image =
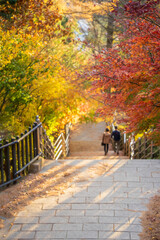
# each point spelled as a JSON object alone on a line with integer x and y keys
{"x": 99, "y": 196}
{"x": 84, "y": 67}
{"x": 107, "y": 193}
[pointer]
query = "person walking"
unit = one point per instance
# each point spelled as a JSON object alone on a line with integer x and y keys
{"x": 116, "y": 137}
{"x": 106, "y": 139}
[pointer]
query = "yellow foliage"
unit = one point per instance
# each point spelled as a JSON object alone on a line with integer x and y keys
{"x": 41, "y": 74}
{"x": 86, "y": 9}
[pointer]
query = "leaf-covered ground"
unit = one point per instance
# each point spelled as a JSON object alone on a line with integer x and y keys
{"x": 54, "y": 182}
{"x": 151, "y": 220}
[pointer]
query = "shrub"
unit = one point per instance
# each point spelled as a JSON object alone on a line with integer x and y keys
{"x": 151, "y": 220}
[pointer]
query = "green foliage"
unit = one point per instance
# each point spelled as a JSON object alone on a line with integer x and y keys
{"x": 12, "y": 1}
{"x": 37, "y": 69}
{"x": 64, "y": 21}
{"x": 88, "y": 117}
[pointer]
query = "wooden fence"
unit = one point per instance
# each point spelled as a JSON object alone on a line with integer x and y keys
{"x": 127, "y": 148}
{"x": 143, "y": 148}
{"x": 17, "y": 155}
{"x": 146, "y": 149}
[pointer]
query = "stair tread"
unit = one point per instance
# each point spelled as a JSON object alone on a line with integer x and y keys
{"x": 85, "y": 141}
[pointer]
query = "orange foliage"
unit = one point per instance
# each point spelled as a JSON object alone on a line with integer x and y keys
{"x": 131, "y": 70}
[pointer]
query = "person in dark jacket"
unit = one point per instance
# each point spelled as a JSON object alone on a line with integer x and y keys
{"x": 116, "y": 137}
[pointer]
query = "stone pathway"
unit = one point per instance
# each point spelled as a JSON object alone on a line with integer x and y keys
{"x": 87, "y": 137}
{"x": 86, "y": 141}
{"x": 106, "y": 206}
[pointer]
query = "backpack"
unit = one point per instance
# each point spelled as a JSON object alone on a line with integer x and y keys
{"x": 116, "y": 135}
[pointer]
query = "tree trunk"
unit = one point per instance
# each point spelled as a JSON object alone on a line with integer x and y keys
{"x": 110, "y": 30}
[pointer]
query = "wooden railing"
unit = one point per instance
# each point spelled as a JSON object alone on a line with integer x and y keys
{"x": 17, "y": 155}
{"x": 143, "y": 148}
{"x": 127, "y": 147}
{"x": 146, "y": 149}
{"x": 61, "y": 146}
{"x": 47, "y": 146}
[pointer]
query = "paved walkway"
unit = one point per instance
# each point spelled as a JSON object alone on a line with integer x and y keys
{"x": 87, "y": 137}
{"x": 95, "y": 206}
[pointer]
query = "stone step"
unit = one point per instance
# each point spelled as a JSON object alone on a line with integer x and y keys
{"x": 85, "y": 142}
{"x": 78, "y": 146}
{"x": 96, "y": 154}
{"x": 88, "y": 132}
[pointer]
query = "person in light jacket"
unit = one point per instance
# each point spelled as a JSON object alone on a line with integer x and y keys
{"x": 106, "y": 139}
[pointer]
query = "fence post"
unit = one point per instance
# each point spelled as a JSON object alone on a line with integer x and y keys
{"x": 37, "y": 136}
{"x": 124, "y": 143}
{"x": 134, "y": 150}
{"x": 132, "y": 147}
{"x": 18, "y": 154}
{"x": 1, "y": 164}
{"x": 14, "y": 158}
{"x": 48, "y": 148}
{"x": 45, "y": 145}
{"x": 151, "y": 149}
{"x": 124, "y": 137}
{"x": 129, "y": 147}
{"x": 126, "y": 147}
{"x": 145, "y": 147}
{"x": 41, "y": 139}
{"x": 7, "y": 162}
{"x": 139, "y": 148}
{"x": 34, "y": 141}
{"x": 51, "y": 151}
{"x": 22, "y": 151}
{"x": 30, "y": 144}
{"x": 26, "y": 147}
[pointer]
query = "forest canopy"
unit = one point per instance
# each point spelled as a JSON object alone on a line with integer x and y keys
{"x": 125, "y": 77}
{"x": 56, "y": 56}
{"x": 39, "y": 60}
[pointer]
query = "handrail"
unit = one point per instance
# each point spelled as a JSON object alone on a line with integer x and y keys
{"x": 9, "y": 182}
{"x": 58, "y": 139}
{"x": 59, "y": 155}
{"x": 67, "y": 138}
{"x": 33, "y": 160}
{"x": 58, "y": 145}
{"x": 143, "y": 148}
{"x": 20, "y": 153}
{"x": 17, "y": 155}
{"x": 21, "y": 138}
{"x": 61, "y": 146}
{"x": 48, "y": 147}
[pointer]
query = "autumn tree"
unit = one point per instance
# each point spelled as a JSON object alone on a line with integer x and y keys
{"x": 130, "y": 69}
{"x": 37, "y": 66}
{"x": 99, "y": 18}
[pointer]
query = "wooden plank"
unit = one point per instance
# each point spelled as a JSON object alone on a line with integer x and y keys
{"x": 30, "y": 145}
{"x": 34, "y": 141}
{"x": 14, "y": 158}
{"x": 18, "y": 154}
{"x": 1, "y": 164}
{"x": 26, "y": 149}
{"x": 139, "y": 148}
{"x": 7, "y": 162}
{"x": 22, "y": 151}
